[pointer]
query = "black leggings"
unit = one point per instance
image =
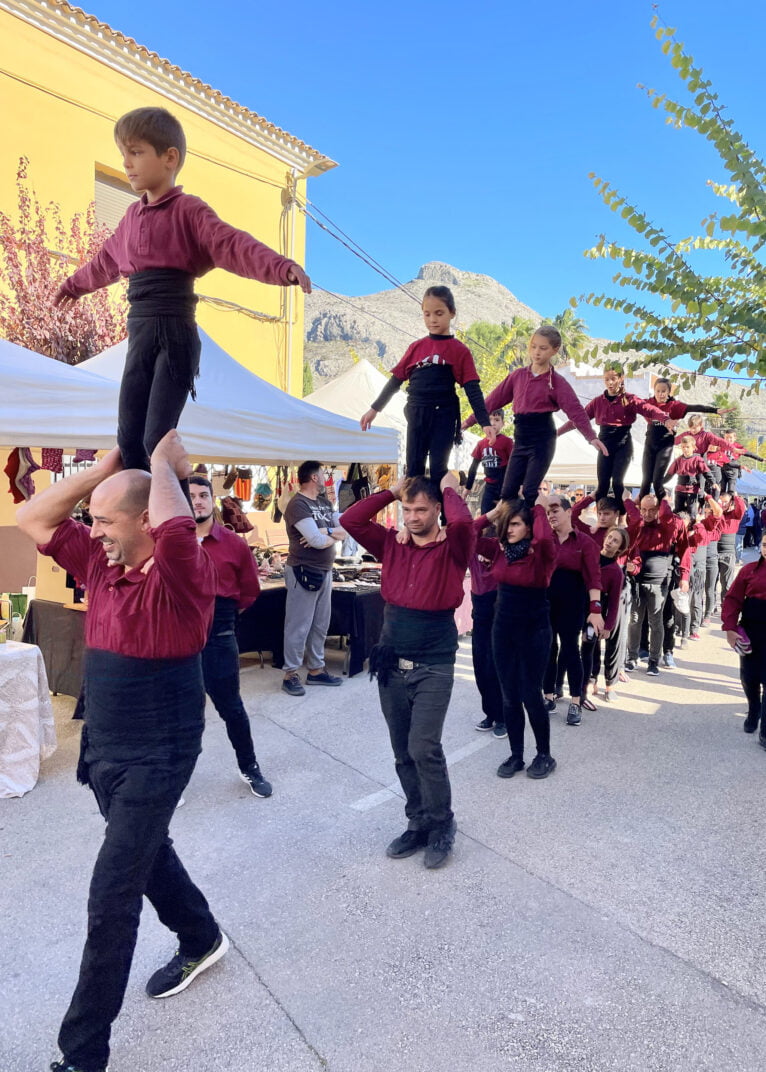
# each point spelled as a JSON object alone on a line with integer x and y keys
{"x": 521, "y": 640}
{"x": 567, "y": 596}
{"x": 655, "y": 465}
{"x": 430, "y": 436}
{"x": 611, "y": 470}
{"x": 533, "y": 449}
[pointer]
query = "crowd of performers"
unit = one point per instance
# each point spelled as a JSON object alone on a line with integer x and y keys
{"x": 563, "y": 593}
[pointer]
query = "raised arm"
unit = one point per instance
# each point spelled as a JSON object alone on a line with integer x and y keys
{"x": 461, "y": 537}
{"x": 358, "y": 521}
{"x": 170, "y": 464}
{"x": 43, "y": 513}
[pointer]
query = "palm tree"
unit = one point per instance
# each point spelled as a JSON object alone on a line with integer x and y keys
{"x": 574, "y": 334}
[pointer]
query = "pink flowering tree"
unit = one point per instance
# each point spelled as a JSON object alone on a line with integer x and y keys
{"x": 38, "y": 250}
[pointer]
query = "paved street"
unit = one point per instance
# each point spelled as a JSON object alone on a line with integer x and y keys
{"x": 607, "y": 919}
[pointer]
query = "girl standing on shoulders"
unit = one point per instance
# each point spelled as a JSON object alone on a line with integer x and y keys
{"x": 537, "y": 392}
{"x": 658, "y": 446}
{"x": 433, "y": 366}
{"x": 523, "y": 558}
{"x": 615, "y": 411}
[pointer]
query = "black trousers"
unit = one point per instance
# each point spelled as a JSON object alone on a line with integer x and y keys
{"x": 654, "y": 466}
{"x": 430, "y": 438}
{"x": 220, "y": 672}
{"x": 752, "y": 667}
{"x": 521, "y": 640}
{"x": 715, "y": 477}
{"x": 533, "y": 449}
{"x": 686, "y": 500}
{"x": 414, "y": 704}
{"x": 567, "y": 597}
{"x": 136, "y": 859}
{"x": 161, "y": 363}
{"x": 484, "y": 669}
{"x": 669, "y": 617}
{"x": 490, "y": 496}
{"x": 730, "y": 474}
{"x": 611, "y": 470}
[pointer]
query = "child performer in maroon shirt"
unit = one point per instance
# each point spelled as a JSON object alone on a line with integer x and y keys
{"x": 494, "y": 458}
{"x": 537, "y": 392}
{"x": 658, "y": 445}
{"x": 743, "y": 619}
{"x": 523, "y": 559}
{"x": 433, "y": 366}
{"x": 163, "y": 242}
{"x": 422, "y": 585}
{"x": 689, "y": 467}
{"x": 615, "y": 411}
{"x": 615, "y": 544}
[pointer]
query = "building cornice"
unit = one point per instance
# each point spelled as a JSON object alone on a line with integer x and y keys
{"x": 74, "y": 27}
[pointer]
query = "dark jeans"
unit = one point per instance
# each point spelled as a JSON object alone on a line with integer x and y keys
{"x": 430, "y": 437}
{"x": 414, "y": 704}
{"x": 655, "y": 463}
{"x": 484, "y": 669}
{"x": 159, "y": 370}
{"x": 533, "y": 449}
{"x": 611, "y": 470}
{"x": 521, "y": 640}
{"x": 137, "y": 858}
{"x": 648, "y": 601}
{"x": 220, "y": 670}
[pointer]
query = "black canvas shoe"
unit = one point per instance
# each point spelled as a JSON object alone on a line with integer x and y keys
{"x": 500, "y": 730}
{"x": 179, "y": 972}
{"x": 541, "y": 766}
{"x": 485, "y": 725}
{"x": 439, "y": 847}
{"x": 407, "y": 844}
{"x": 259, "y": 787}
{"x": 550, "y": 705}
{"x": 292, "y": 685}
{"x": 62, "y": 1066}
{"x": 323, "y": 678}
{"x": 511, "y": 766}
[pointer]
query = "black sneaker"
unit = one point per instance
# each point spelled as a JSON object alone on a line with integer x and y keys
{"x": 541, "y": 766}
{"x": 292, "y": 685}
{"x": 511, "y": 766}
{"x": 653, "y": 669}
{"x": 500, "y": 730}
{"x": 750, "y": 724}
{"x": 550, "y": 705}
{"x": 574, "y": 715}
{"x": 762, "y": 740}
{"x": 630, "y": 666}
{"x": 407, "y": 844}
{"x": 439, "y": 847}
{"x": 485, "y": 725}
{"x": 62, "y": 1066}
{"x": 259, "y": 787}
{"x": 181, "y": 970}
{"x": 323, "y": 678}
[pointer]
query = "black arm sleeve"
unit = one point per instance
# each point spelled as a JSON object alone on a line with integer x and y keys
{"x": 475, "y": 396}
{"x": 387, "y": 393}
{"x": 471, "y": 474}
{"x": 695, "y": 408}
{"x": 747, "y": 454}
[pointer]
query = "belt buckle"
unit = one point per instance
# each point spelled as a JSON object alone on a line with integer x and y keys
{"x": 406, "y": 664}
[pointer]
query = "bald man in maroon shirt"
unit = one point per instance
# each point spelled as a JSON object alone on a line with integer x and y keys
{"x": 150, "y": 601}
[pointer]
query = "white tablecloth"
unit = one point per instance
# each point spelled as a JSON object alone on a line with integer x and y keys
{"x": 27, "y": 732}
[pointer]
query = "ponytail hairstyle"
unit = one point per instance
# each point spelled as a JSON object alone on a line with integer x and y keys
{"x": 442, "y": 294}
{"x": 615, "y": 366}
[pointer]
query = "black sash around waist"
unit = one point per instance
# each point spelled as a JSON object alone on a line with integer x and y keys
{"x": 533, "y": 426}
{"x": 161, "y": 292}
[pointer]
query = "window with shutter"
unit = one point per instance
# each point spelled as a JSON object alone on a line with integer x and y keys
{"x": 113, "y": 195}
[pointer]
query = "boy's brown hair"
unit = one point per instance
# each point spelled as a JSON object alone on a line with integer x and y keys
{"x": 154, "y": 125}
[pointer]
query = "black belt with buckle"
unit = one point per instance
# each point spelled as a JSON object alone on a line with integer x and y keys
{"x": 408, "y": 664}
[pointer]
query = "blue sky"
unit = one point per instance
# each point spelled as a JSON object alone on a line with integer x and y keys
{"x": 466, "y": 132}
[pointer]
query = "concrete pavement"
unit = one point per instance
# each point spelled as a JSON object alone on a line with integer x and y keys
{"x": 609, "y": 918}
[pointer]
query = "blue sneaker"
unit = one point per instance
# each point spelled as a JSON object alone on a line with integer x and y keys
{"x": 323, "y": 678}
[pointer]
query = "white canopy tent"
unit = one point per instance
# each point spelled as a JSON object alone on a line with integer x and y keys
{"x": 239, "y": 417}
{"x": 351, "y": 394}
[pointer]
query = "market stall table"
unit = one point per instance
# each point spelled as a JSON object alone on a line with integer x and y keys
{"x": 27, "y": 732}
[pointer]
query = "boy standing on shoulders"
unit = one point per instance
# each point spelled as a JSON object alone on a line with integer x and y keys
{"x": 165, "y": 241}
{"x": 422, "y": 575}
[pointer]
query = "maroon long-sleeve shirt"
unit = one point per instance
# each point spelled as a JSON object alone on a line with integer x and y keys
{"x": 580, "y": 554}
{"x": 732, "y": 515}
{"x": 612, "y": 580}
{"x": 235, "y": 565}
{"x": 750, "y": 583}
{"x": 654, "y": 537}
{"x": 179, "y": 231}
{"x": 687, "y": 470}
{"x": 536, "y": 568}
{"x": 618, "y": 411}
{"x": 546, "y": 393}
{"x": 427, "y": 577}
{"x": 703, "y": 441}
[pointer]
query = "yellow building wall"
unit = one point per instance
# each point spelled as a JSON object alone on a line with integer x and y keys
{"x": 58, "y": 107}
